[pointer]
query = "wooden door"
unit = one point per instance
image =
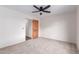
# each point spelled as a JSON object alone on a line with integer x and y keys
{"x": 35, "y": 28}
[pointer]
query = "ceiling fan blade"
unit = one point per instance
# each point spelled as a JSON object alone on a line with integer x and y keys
{"x": 36, "y": 7}
{"x": 46, "y": 7}
{"x": 47, "y": 11}
{"x": 35, "y": 11}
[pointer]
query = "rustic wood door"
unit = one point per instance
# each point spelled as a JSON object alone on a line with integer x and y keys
{"x": 35, "y": 28}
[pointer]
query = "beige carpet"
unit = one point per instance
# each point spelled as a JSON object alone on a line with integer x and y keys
{"x": 39, "y": 46}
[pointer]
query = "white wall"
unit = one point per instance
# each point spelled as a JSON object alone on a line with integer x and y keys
{"x": 12, "y": 27}
{"x": 59, "y": 27}
{"x": 29, "y": 29}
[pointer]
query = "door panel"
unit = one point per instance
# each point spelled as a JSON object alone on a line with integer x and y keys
{"x": 35, "y": 28}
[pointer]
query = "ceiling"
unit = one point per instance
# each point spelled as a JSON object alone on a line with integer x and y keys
{"x": 55, "y": 9}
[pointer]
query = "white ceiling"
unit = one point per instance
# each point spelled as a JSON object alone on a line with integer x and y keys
{"x": 55, "y": 9}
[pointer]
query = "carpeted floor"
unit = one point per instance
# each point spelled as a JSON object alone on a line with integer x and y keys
{"x": 40, "y": 46}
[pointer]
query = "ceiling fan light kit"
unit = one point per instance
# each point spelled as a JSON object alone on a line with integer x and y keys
{"x": 41, "y": 9}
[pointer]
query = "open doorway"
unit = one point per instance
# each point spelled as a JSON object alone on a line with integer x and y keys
{"x": 32, "y": 29}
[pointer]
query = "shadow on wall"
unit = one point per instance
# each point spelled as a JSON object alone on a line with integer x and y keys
{"x": 59, "y": 27}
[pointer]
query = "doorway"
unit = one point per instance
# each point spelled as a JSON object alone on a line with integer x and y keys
{"x": 32, "y": 29}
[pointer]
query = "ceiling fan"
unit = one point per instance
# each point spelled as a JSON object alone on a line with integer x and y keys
{"x": 41, "y": 9}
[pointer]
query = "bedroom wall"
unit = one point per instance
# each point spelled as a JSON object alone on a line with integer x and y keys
{"x": 59, "y": 27}
{"x": 12, "y": 27}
